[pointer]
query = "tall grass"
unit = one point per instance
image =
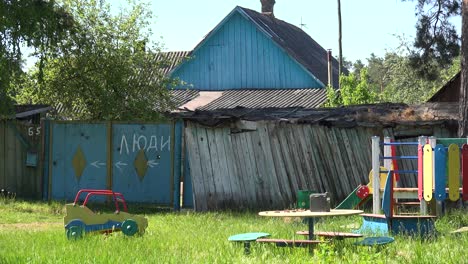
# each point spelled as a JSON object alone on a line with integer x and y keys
{"x": 32, "y": 232}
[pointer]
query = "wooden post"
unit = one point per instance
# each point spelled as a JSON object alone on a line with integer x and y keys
{"x": 376, "y": 172}
{"x": 422, "y": 206}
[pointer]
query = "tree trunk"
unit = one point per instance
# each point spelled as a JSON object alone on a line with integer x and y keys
{"x": 463, "y": 108}
{"x": 340, "y": 48}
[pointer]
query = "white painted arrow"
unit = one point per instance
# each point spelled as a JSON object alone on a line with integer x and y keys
{"x": 152, "y": 163}
{"x": 119, "y": 163}
{"x": 97, "y": 164}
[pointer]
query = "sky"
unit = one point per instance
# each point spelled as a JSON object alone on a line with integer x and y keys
{"x": 368, "y": 26}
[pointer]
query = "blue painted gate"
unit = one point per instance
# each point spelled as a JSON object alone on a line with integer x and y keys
{"x": 134, "y": 159}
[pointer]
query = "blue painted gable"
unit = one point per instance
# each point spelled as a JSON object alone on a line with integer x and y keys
{"x": 237, "y": 54}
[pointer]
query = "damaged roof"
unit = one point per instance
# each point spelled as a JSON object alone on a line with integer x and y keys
{"x": 170, "y": 59}
{"x": 191, "y": 100}
{"x": 387, "y": 114}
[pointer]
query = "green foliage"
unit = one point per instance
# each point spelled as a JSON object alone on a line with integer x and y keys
{"x": 354, "y": 90}
{"x": 391, "y": 78}
{"x": 436, "y": 38}
{"x": 397, "y": 81}
{"x": 36, "y": 24}
{"x": 106, "y": 69}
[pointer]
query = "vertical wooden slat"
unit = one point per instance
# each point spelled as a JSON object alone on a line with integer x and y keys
{"x": 231, "y": 169}
{"x": 250, "y": 172}
{"x": 283, "y": 196}
{"x": 322, "y": 170}
{"x": 297, "y": 156}
{"x": 267, "y": 187}
{"x": 345, "y": 167}
{"x": 287, "y": 158}
{"x": 278, "y": 161}
{"x": 199, "y": 191}
{"x": 308, "y": 157}
{"x": 207, "y": 171}
{"x": 223, "y": 172}
{"x": 278, "y": 198}
{"x": 327, "y": 161}
{"x": 212, "y": 157}
{"x": 341, "y": 174}
{"x": 318, "y": 182}
{"x": 247, "y": 191}
{"x": 256, "y": 178}
{"x": 352, "y": 162}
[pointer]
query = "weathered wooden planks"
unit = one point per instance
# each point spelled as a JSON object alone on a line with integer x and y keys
{"x": 16, "y": 139}
{"x": 264, "y": 168}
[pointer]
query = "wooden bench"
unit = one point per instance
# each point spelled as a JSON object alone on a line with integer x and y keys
{"x": 335, "y": 235}
{"x": 289, "y": 242}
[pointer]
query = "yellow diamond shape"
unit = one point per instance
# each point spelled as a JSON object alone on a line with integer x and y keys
{"x": 79, "y": 163}
{"x": 141, "y": 164}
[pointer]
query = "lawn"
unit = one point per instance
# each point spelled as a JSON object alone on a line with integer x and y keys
{"x": 32, "y": 232}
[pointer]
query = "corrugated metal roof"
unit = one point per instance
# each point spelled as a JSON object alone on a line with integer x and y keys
{"x": 274, "y": 98}
{"x": 298, "y": 44}
{"x": 170, "y": 59}
{"x": 181, "y": 97}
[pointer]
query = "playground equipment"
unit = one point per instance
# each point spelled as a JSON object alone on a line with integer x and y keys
{"x": 79, "y": 219}
{"x": 363, "y": 193}
{"x": 435, "y": 158}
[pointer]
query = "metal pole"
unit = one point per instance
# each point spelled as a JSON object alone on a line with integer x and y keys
{"x": 375, "y": 174}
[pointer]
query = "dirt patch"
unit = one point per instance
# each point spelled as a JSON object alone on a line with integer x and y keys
{"x": 36, "y": 226}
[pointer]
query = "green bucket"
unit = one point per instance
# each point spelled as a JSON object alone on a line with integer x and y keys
{"x": 303, "y": 199}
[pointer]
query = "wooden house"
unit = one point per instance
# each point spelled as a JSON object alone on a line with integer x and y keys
{"x": 450, "y": 92}
{"x": 252, "y": 50}
{"x": 250, "y": 60}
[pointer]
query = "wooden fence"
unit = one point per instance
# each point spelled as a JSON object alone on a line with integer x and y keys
{"x": 264, "y": 167}
{"x": 20, "y": 158}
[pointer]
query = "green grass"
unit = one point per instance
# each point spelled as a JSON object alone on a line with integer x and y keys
{"x": 32, "y": 232}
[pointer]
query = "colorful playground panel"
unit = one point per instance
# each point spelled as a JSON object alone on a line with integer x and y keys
{"x": 465, "y": 172}
{"x": 355, "y": 198}
{"x": 428, "y": 168}
{"x": 453, "y": 171}
{"x": 80, "y": 220}
{"x": 382, "y": 178}
{"x": 440, "y": 173}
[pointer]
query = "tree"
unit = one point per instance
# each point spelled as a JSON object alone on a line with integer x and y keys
{"x": 390, "y": 79}
{"x": 463, "y": 107}
{"x": 37, "y": 24}
{"x": 437, "y": 38}
{"x": 106, "y": 69}
{"x": 354, "y": 90}
{"x": 399, "y": 81}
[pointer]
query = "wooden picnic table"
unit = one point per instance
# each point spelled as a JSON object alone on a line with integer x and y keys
{"x": 307, "y": 214}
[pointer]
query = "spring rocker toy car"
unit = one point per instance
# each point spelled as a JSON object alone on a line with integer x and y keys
{"x": 80, "y": 220}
